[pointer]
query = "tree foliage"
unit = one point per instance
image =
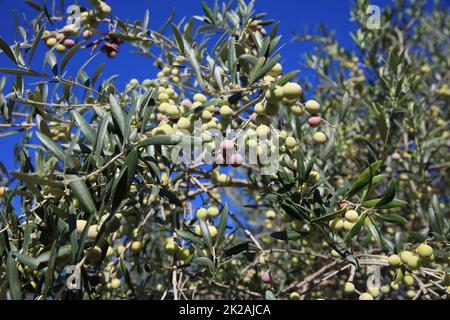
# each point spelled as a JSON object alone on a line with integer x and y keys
{"x": 354, "y": 206}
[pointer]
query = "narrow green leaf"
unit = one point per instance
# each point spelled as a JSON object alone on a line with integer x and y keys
{"x": 69, "y": 55}
{"x": 160, "y": 140}
{"x": 84, "y": 126}
{"x": 364, "y": 179}
{"x": 388, "y": 196}
{"x": 36, "y": 41}
{"x": 356, "y": 228}
{"x": 221, "y": 232}
{"x": 208, "y": 12}
{"x": 178, "y": 38}
{"x": 82, "y": 193}
{"x": 204, "y": 262}
{"x": 13, "y": 278}
{"x": 36, "y": 180}
{"x": 392, "y": 217}
{"x": 190, "y": 236}
{"x": 101, "y": 134}
{"x": 206, "y": 234}
{"x": 8, "y": 51}
{"x": 20, "y": 72}
{"x": 287, "y": 77}
{"x": 53, "y": 148}
{"x": 286, "y": 235}
{"x": 117, "y": 114}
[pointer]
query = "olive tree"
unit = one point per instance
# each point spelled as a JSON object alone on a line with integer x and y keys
{"x": 220, "y": 177}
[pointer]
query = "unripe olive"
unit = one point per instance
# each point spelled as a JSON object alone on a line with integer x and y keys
{"x": 163, "y": 129}
{"x": 109, "y": 252}
{"x": 351, "y": 216}
{"x": 320, "y": 137}
{"x": 275, "y": 95}
{"x": 93, "y": 232}
{"x": 70, "y": 29}
{"x": 213, "y": 212}
{"x": 297, "y": 225}
{"x": 163, "y": 97}
{"x": 171, "y": 248}
{"x": 226, "y": 111}
{"x": 408, "y": 279}
{"x": 365, "y": 296}
{"x": 3, "y": 191}
{"x": 206, "y": 115}
{"x": 348, "y": 225}
{"x": 385, "y": 289}
{"x": 184, "y": 123}
{"x": 112, "y": 54}
{"x": 184, "y": 254}
{"x": 394, "y": 260}
{"x": 374, "y": 291}
{"x": 60, "y": 48}
{"x": 51, "y": 42}
{"x": 198, "y": 97}
{"x": 81, "y": 224}
{"x": 121, "y": 249}
{"x": 394, "y": 286}
{"x": 290, "y": 143}
{"x": 337, "y": 224}
{"x": 313, "y": 177}
{"x": 411, "y": 293}
{"x": 262, "y": 131}
{"x": 115, "y": 283}
{"x": 223, "y": 178}
{"x": 270, "y": 214}
{"x": 424, "y": 250}
{"x": 276, "y": 70}
{"x": 134, "y": 82}
{"x": 406, "y": 256}
{"x": 297, "y": 110}
{"x": 259, "y": 109}
{"x": 136, "y": 246}
{"x": 212, "y": 231}
{"x": 202, "y": 213}
{"x": 292, "y": 90}
{"x": 312, "y": 106}
{"x": 172, "y": 111}
{"x": 87, "y": 34}
{"x": 294, "y": 296}
{"x": 94, "y": 254}
{"x": 105, "y": 9}
{"x": 349, "y": 287}
{"x": 198, "y": 231}
{"x": 335, "y": 254}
